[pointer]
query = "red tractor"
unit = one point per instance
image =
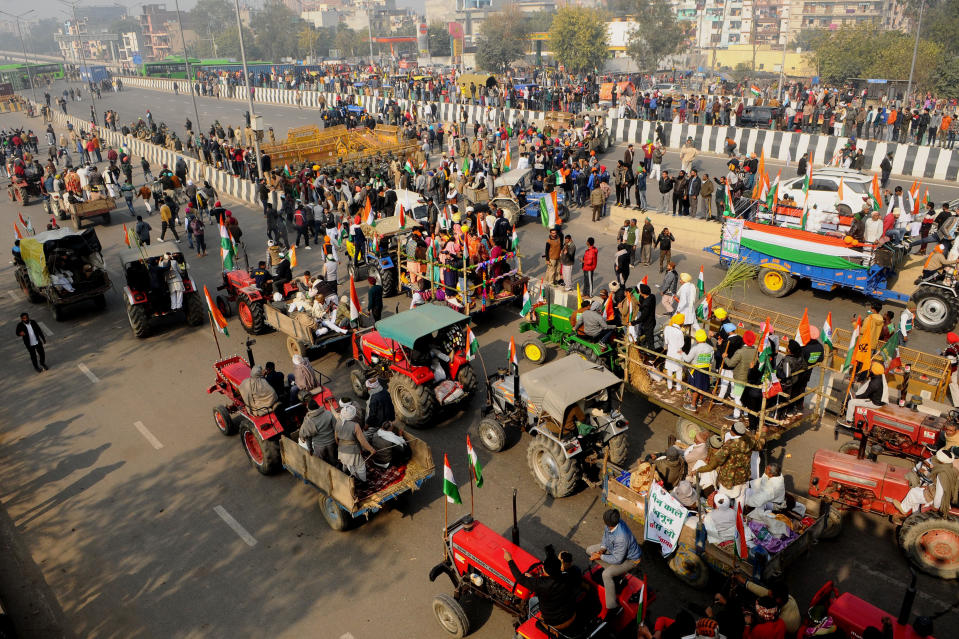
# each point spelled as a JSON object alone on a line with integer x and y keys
{"x": 242, "y": 293}
{"x": 894, "y": 430}
{"x": 929, "y": 540}
{"x": 423, "y": 352}
{"x": 473, "y": 560}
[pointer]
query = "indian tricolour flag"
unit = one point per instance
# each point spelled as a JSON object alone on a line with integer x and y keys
{"x": 450, "y": 489}
{"x": 512, "y": 352}
{"x": 701, "y": 283}
{"x": 355, "y": 308}
{"x": 728, "y": 210}
{"x": 472, "y": 344}
{"x": 218, "y": 320}
{"x": 408, "y": 167}
{"x": 514, "y": 240}
{"x": 547, "y": 209}
{"x": 827, "y": 330}
{"x": 797, "y": 245}
{"x": 527, "y": 303}
{"x": 227, "y": 248}
{"x": 507, "y": 159}
{"x": 876, "y": 194}
{"x": 474, "y": 462}
{"x": 755, "y": 90}
{"x": 368, "y": 210}
{"x": 851, "y": 351}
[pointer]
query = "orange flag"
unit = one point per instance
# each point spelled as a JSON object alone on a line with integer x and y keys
{"x": 802, "y": 333}
{"x": 126, "y": 235}
{"x": 16, "y": 229}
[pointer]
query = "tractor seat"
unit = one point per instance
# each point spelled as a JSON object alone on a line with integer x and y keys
{"x": 622, "y": 580}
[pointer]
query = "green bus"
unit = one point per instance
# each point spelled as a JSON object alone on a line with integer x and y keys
{"x": 17, "y": 75}
{"x": 175, "y": 66}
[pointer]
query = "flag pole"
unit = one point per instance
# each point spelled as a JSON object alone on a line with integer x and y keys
{"x": 469, "y": 463}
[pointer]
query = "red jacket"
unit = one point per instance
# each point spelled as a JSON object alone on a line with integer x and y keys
{"x": 589, "y": 258}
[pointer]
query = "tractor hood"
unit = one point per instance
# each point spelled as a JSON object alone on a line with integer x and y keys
{"x": 558, "y": 385}
{"x": 407, "y": 327}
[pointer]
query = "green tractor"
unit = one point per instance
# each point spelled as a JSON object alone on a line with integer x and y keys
{"x": 552, "y": 324}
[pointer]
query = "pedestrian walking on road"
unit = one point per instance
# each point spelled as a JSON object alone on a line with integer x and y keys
{"x": 33, "y": 339}
{"x": 166, "y": 222}
{"x": 596, "y": 200}
{"x": 142, "y": 230}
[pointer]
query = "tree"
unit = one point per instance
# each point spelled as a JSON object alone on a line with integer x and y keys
{"x": 540, "y": 21}
{"x": 578, "y": 39}
{"x": 502, "y": 41}
{"x": 439, "y": 39}
{"x": 658, "y": 35}
{"x": 272, "y": 27}
{"x": 211, "y": 16}
{"x": 940, "y": 24}
{"x": 228, "y": 44}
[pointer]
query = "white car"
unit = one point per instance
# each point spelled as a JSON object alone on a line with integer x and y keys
{"x": 824, "y": 190}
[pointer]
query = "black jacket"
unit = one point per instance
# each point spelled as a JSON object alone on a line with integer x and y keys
{"x": 22, "y": 332}
{"x": 873, "y": 391}
{"x": 557, "y": 595}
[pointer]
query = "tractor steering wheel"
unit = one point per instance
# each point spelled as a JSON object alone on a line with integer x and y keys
{"x": 534, "y": 570}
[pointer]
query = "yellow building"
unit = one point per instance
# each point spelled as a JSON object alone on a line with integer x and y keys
{"x": 767, "y": 59}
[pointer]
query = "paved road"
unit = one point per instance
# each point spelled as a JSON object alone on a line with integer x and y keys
{"x": 132, "y": 517}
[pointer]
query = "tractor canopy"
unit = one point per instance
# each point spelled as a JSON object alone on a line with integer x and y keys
{"x": 144, "y": 252}
{"x": 513, "y": 177}
{"x": 41, "y": 250}
{"x": 558, "y": 385}
{"x": 408, "y": 327}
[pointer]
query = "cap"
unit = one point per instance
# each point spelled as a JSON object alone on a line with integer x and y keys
{"x": 715, "y": 442}
{"x": 739, "y": 428}
{"x": 700, "y": 335}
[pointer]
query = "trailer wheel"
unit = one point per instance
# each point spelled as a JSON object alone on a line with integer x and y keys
{"x": 358, "y": 382}
{"x": 776, "y": 283}
{"x": 931, "y": 543}
{"x": 451, "y": 616}
{"x": 934, "y": 309}
{"x": 618, "y": 450}
{"x": 263, "y": 454}
{"x": 550, "y": 467}
{"x": 57, "y": 312}
{"x": 295, "y": 347}
{"x": 833, "y": 526}
{"x": 337, "y": 518}
{"x": 224, "y": 420}
{"x": 690, "y": 568}
{"x": 28, "y": 291}
{"x": 415, "y": 404}
{"x": 491, "y": 434}
{"x": 534, "y": 350}
{"x": 687, "y": 430}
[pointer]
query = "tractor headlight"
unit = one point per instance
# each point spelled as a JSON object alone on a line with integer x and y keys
{"x": 477, "y": 580}
{"x": 375, "y": 359}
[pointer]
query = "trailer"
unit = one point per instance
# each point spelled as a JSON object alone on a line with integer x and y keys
{"x": 80, "y": 211}
{"x": 300, "y": 336}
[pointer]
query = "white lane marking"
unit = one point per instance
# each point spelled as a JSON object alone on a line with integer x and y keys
{"x": 147, "y": 435}
{"x": 86, "y": 371}
{"x": 347, "y": 635}
{"x": 46, "y": 329}
{"x": 235, "y": 525}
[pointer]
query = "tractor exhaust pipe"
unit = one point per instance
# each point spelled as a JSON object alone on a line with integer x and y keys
{"x": 249, "y": 350}
{"x": 515, "y": 531}
{"x": 910, "y": 598}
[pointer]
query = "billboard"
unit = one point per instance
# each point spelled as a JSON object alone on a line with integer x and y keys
{"x": 423, "y": 39}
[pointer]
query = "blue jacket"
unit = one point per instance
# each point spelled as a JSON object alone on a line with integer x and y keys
{"x": 621, "y": 545}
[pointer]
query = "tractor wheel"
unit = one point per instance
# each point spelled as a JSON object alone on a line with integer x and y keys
{"x": 534, "y": 350}
{"x": 833, "y": 523}
{"x": 61, "y": 214}
{"x": 194, "y": 309}
{"x": 618, "y": 450}
{"x": 57, "y": 312}
{"x": 414, "y": 404}
{"x": 139, "y": 321}
{"x": 555, "y": 474}
{"x": 581, "y": 350}
{"x": 77, "y": 222}
{"x": 263, "y": 454}
{"x": 100, "y": 302}
{"x": 850, "y": 448}
{"x": 337, "y": 518}
{"x": 105, "y": 219}
{"x": 491, "y": 434}
{"x": 931, "y": 543}
{"x": 690, "y": 568}
{"x": 358, "y": 382}
{"x": 687, "y": 430}
{"x": 934, "y": 309}
{"x": 467, "y": 378}
{"x": 251, "y": 315}
{"x": 47, "y": 208}
{"x": 28, "y": 291}
{"x": 451, "y": 616}
{"x": 295, "y": 347}
{"x": 776, "y": 283}
{"x": 223, "y": 305}
{"x": 388, "y": 281}
{"x": 224, "y": 420}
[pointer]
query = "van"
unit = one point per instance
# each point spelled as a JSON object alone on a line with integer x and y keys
{"x": 762, "y": 117}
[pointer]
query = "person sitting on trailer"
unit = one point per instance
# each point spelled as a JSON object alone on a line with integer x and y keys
{"x": 768, "y": 491}
{"x": 556, "y": 589}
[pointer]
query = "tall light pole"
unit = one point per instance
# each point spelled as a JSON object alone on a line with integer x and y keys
{"x": 369, "y": 24}
{"x": 915, "y": 51}
{"x": 26, "y": 62}
{"x": 249, "y": 92}
{"x": 782, "y": 65}
{"x": 83, "y": 58}
{"x": 186, "y": 58}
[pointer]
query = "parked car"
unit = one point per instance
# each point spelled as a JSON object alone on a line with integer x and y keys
{"x": 824, "y": 190}
{"x": 763, "y": 117}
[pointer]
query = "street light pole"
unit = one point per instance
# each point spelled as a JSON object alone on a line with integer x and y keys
{"x": 189, "y": 74}
{"x": 782, "y": 65}
{"x": 83, "y": 58}
{"x": 249, "y": 92}
{"x": 26, "y": 61}
{"x": 915, "y": 51}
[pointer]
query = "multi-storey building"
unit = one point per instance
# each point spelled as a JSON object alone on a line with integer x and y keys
{"x": 155, "y": 28}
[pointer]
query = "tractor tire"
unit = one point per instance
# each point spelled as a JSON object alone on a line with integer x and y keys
{"x": 195, "y": 313}
{"x": 251, "y": 315}
{"x": 263, "y": 454}
{"x": 491, "y": 434}
{"x": 223, "y": 305}
{"x": 414, "y": 404}
{"x": 834, "y": 523}
{"x": 100, "y": 302}
{"x": 105, "y": 219}
{"x": 850, "y": 448}
{"x": 776, "y": 283}
{"x": 388, "y": 281}
{"x": 618, "y": 450}
{"x": 549, "y": 466}
{"x": 224, "y": 421}
{"x": 931, "y": 543}
{"x": 28, "y": 291}
{"x": 337, "y": 518}
{"x": 935, "y": 310}
{"x": 358, "y": 383}
{"x": 686, "y": 430}
{"x": 581, "y": 350}
{"x": 451, "y": 616}
{"x": 690, "y": 568}
{"x": 77, "y": 222}
{"x": 47, "y": 207}
{"x": 534, "y": 350}
{"x": 466, "y": 376}
{"x": 139, "y": 321}
{"x": 57, "y": 312}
